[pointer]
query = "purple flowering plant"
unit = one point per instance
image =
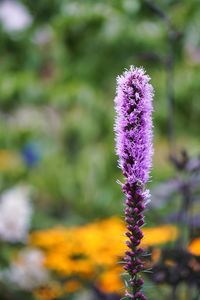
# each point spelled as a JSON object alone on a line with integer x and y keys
{"x": 133, "y": 129}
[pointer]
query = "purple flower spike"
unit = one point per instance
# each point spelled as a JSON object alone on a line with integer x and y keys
{"x": 133, "y": 128}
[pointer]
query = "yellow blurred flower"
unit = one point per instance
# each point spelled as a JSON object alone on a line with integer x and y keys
{"x": 72, "y": 286}
{"x": 50, "y": 292}
{"x": 194, "y": 247}
{"x": 79, "y": 250}
{"x": 159, "y": 235}
{"x": 91, "y": 252}
{"x": 110, "y": 281}
{"x": 8, "y": 160}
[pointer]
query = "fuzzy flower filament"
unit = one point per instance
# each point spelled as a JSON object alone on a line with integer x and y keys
{"x": 133, "y": 128}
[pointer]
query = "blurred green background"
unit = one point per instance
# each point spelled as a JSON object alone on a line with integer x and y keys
{"x": 58, "y": 64}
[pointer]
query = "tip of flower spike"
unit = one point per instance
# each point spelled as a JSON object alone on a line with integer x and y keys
{"x": 133, "y": 124}
{"x": 138, "y": 73}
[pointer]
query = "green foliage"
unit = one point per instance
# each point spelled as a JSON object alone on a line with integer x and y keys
{"x": 57, "y": 84}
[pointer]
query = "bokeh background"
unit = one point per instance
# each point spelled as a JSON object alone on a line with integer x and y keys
{"x": 58, "y": 66}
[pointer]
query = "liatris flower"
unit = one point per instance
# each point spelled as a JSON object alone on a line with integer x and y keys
{"x": 133, "y": 128}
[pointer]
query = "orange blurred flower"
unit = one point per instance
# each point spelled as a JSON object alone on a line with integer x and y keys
{"x": 194, "y": 247}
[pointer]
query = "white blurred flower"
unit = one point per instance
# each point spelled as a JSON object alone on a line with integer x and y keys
{"x": 14, "y": 16}
{"x": 28, "y": 271}
{"x": 15, "y": 214}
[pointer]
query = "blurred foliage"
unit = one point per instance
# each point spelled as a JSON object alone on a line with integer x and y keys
{"x": 57, "y": 84}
